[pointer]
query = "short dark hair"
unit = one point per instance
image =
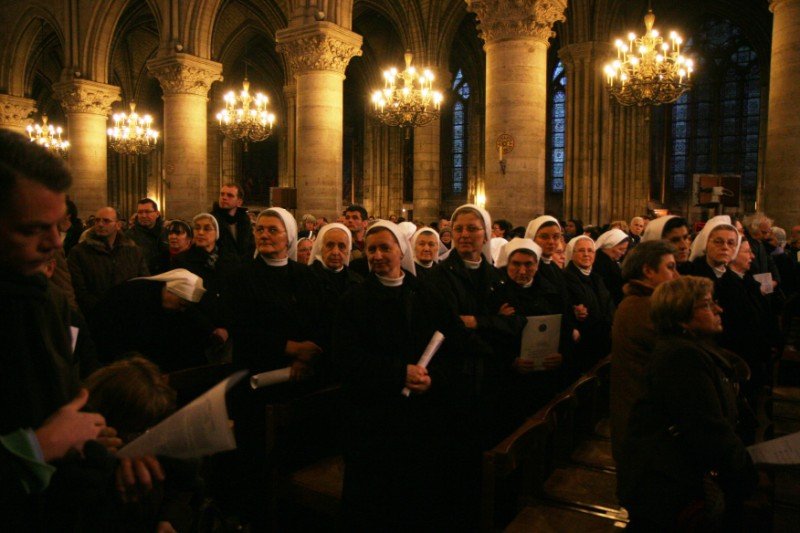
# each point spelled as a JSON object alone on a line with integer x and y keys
{"x": 239, "y": 191}
{"x": 72, "y": 210}
{"x": 179, "y": 226}
{"x": 671, "y": 224}
{"x": 648, "y": 254}
{"x": 22, "y": 159}
{"x": 148, "y": 201}
{"x": 360, "y": 209}
{"x": 504, "y": 225}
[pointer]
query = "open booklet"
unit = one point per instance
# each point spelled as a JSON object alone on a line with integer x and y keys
{"x": 540, "y": 338}
{"x": 198, "y": 429}
{"x": 780, "y": 451}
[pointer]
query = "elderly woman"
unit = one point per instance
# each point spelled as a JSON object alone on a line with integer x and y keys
{"x": 611, "y": 247}
{"x": 592, "y": 304}
{"x": 528, "y": 387}
{"x": 682, "y": 465}
{"x": 304, "y": 246}
{"x": 446, "y": 238}
{"x": 425, "y": 246}
{"x": 633, "y": 337}
{"x": 395, "y": 447}
{"x": 715, "y": 246}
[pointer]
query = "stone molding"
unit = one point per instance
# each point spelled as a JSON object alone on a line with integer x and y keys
{"x": 15, "y": 110}
{"x": 500, "y": 20}
{"x": 86, "y": 96}
{"x": 321, "y": 46}
{"x": 773, "y": 4}
{"x": 185, "y": 74}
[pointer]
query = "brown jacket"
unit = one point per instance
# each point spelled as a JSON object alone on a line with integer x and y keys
{"x": 632, "y": 341}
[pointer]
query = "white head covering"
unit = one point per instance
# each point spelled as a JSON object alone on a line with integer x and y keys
{"x": 316, "y": 251}
{"x": 487, "y": 228}
{"x": 420, "y": 231}
{"x": 571, "y": 246}
{"x": 290, "y": 224}
{"x": 536, "y": 223}
{"x": 181, "y": 283}
{"x": 213, "y": 221}
{"x": 701, "y": 241}
{"x": 496, "y": 244}
{"x": 655, "y": 228}
{"x": 610, "y": 239}
{"x": 408, "y": 229}
{"x": 405, "y": 247}
{"x": 514, "y": 245}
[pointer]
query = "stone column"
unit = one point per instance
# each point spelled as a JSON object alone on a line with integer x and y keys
{"x": 782, "y": 174}
{"x": 287, "y": 178}
{"x": 14, "y": 113}
{"x": 87, "y": 105}
{"x": 185, "y": 80}
{"x": 318, "y": 55}
{"x": 516, "y": 35}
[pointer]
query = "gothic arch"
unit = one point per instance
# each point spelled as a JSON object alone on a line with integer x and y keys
{"x": 21, "y": 47}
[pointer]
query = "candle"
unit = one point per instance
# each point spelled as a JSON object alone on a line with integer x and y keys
{"x": 500, "y": 150}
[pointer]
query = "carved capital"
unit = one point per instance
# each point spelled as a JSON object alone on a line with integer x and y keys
{"x": 14, "y": 111}
{"x": 517, "y": 19}
{"x": 86, "y": 96}
{"x": 185, "y": 74}
{"x": 321, "y": 46}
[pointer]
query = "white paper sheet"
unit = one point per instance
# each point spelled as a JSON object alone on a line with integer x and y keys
{"x": 765, "y": 280}
{"x": 198, "y": 429}
{"x": 780, "y": 451}
{"x": 273, "y": 377}
{"x": 540, "y": 338}
{"x": 73, "y": 336}
{"x": 430, "y": 350}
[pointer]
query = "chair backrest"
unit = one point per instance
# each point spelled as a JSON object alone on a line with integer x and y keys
{"x": 561, "y": 413}
{"x": 603, "y": 372}
{"x": 587, "y": 411}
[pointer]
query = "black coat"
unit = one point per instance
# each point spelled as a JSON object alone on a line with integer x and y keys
{"x": 595, "y": 330}
{"x": 153, "y": 243}
{"x": 682, "y": 428}
{"x": 611, "y": 273}
{"x": 215, "y": 273}
{"x": 244, "y": 244}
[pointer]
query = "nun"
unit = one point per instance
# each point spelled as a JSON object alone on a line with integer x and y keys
{"x": 674, "y": 230}
{"x": 395, "y": 444}
{"x": 330, "y": 257}
{"x": 529, "y": 386}
{"x": 715, "y": 247}
{"x": 592, "y": 304}
{"x": 425, "y": 246}
{"x": 611, "y": 247}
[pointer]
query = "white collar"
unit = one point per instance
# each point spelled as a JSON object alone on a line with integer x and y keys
{"x": 423, "y": 265}
{"x": 329, "y": 269}
{"x": 391, "y": 282}
{"x": 547, "y": 260}
{"x": 275, "y": 262}
{"x": 719, "y": 271}
{"x": 585, "y": 271}
{"x": 472, "y": 265}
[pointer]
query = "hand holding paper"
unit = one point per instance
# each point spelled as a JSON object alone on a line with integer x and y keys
{"x": 430, "y": 350}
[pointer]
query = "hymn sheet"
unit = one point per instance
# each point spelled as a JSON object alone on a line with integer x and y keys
{"x": 540, "y": 338}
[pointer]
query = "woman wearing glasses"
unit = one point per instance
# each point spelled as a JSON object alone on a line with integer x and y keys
{"x": 715, "y": 246}
{"x": 682, "y": 466}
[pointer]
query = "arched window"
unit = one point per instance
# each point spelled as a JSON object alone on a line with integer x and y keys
{"x": 461, "y": 92}
{"x": 715, "y": 125}
{"x": 558, "y": 97}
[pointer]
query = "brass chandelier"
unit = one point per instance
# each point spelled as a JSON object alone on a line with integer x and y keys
{"x": 408, "y": 98}
{"x": 48, "y": 136}
{"x": 246, "y": 117}
{"x": 648, "y": 70}
{"x": 132, "y": 134}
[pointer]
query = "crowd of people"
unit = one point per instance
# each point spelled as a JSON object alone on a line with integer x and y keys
{"x": 693, "y": 319}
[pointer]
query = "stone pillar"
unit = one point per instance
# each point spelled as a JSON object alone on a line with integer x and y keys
{"x": 782, "y": 174}
{"x": 87, "y": 105}
{"x": 318, "y": 55}
{"x": 287, "y": 176}
{"x": 14, "y": 113}
{"x": 185, "y": 80}
{"x": 516, "y": 35}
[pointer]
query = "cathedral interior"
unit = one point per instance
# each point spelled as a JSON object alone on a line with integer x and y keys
{"x": 527, "y": 70}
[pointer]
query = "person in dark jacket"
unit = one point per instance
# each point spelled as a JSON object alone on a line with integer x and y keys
{"x": 149, "y": 235}
{"x": 397, "y": 448}
{"x": 70, "y": 227}
{"x": 592, "y": 304}
{"x": 611, "y": 247}
{"x": 683, "y": 428}
{"x": 105, "y": 259}
{"x": 179, "y": 235}
{"x": 236, "y": 230}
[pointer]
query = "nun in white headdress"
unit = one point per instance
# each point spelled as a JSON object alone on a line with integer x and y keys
{"x": 277, "y": 316}
{"x": 675, "y": 230}
{"x": 611, "y": 247}
{"x": 426, "y": 246}
{"x": 496, "y": 245}
{"x": 546, "y": 232}
{"x": 712, "y": 263}
{"x": 330, "y": 257}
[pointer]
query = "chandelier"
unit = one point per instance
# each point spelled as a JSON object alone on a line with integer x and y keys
{"x": 648, "y": 70}
{"x": 132, "y": 133}
{"x": 48, "y": 136}
{"x": 410, "y": 103}
{"x": 251, "y": 121}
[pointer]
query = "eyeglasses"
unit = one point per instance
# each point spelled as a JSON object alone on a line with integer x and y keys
{"x": 730, "y": 243}
{"x": 467, "y": 229}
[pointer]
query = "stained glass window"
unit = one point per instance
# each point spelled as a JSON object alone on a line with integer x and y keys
{"x": 715, "y": 125}
{"x": 557, "y": 128}
{"x": 461, "y": 91}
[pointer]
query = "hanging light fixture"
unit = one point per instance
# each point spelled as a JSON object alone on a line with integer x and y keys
{"x": 49, "y": 136}
{"x": 648, "y": 70}
{"x": 408, "y": 99}
{"x": 246, "y": 117}
{"x": 132, "y": 133}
